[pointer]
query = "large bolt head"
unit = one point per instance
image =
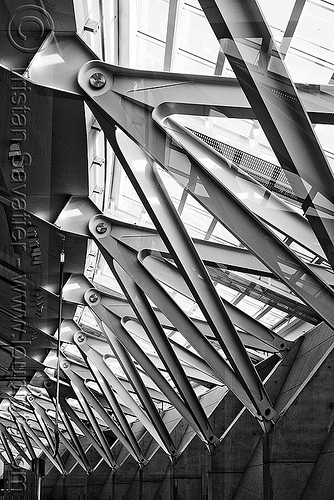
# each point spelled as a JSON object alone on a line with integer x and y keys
{"x": 97, "y": 80}
{"x": 93, "y": 298}
{"x": 101, "y": 228}
{"x": 80, "y": 338}
{"x": 65, "y": 364}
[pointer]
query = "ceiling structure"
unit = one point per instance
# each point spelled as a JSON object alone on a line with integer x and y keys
{"x": 166, "y": 213}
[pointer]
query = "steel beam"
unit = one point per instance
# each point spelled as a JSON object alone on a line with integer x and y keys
{"x": 251, "y": 51}
{"x": 114, "y": 327}
{"x": 8, "y": 438}
{"x": 158, "y": 339}
{"x": 7, "y": 449}
{"x": 251, "y": 231}
{"x": 150, "y": 189}
{"x": 75, "y": 440}
{"x": 140, "y": 98}
{"x": 66, "y": 408}
{"x": 216, "y": 95}
{"x": 136, "y": 381}
{"x": 133, "y": 326}
{"x": 123, "y": 357}
{"x": 142, "y": 238}
{"x": 94, "y": 357}
{"x": 127, "y": 258}
{"x": 48, "y": 422}
{"x": 56, "y": 462}
{"x": 128, "y": 119}
{"x": 44, "y": 428}
{"x": 26, "y": 440}
{"x": 173, "y": 9}
{"x": 118, "y": 412}
{"x": 87, "y": 401}
{"x": 291, "y": 26}
{"x": 169, "y": 274}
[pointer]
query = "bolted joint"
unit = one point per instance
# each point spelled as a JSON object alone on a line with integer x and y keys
{"x": 93, "y": 298}
{"x": 65, "y": 365}
{"x": 97, "y": 80}
{"x": 101, "y": 228}
{"x": 80, "y": 338}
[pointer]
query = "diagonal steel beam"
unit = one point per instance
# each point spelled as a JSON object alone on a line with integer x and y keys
{"x": 5, "y": 444}
{"x": 200, "y": 95}
{"x": 137, "y": 383}
{"x": 44, "y": 428}
{"x": 291, "y": 26}
{"x": 68, "y": 410}
{"x": 26, "y": 440}
{"x": 158, "y": 338}
{"x": 94, "y": 357}
{"x": 6, "y": 437}
{"x": 87, "y": 402}
{"x": 123, "y": 357}
{"x": 129, "y": 118}
{"x": 251, "y": 231}
{"x": 115, "y": 327}
{"x": 116, "y": 407}
{"x": 41, "y": 412}
{"x": 55, "y": 461}
{"x": 168, "y": 274}
{"x": 133, "y": 326}
{"x": 75, "y": 440}
{"x": 250, "y": 48}
{"x": 130, "y": 112}
{"x": 149, "y": 187}
{"x": 127, "y": 258}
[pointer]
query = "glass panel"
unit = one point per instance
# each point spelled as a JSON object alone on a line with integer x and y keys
{"x": 187, "y": 63}
{"x": 153, "y": 17}
{"x": 150, "y": 53}
{"x": 197, "y": 35}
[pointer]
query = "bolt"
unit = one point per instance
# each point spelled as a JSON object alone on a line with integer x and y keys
{"x": 93, "y": 298}
{"x": 101, "y": 227}
{"x": 97, "y": 80}
{"x": 65, "y": 364}
{"x": 80, "y": 338}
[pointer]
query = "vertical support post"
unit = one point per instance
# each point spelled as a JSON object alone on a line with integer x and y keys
{"x": 172, "y": 490}
{"x": 140, "y": 483}
{"x": 38, "y": 468}
{"x": 209, "y": 492}
{"x": 267, "y": 490}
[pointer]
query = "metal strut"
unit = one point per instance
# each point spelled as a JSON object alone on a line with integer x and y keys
{"x": 60, "y": 308}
